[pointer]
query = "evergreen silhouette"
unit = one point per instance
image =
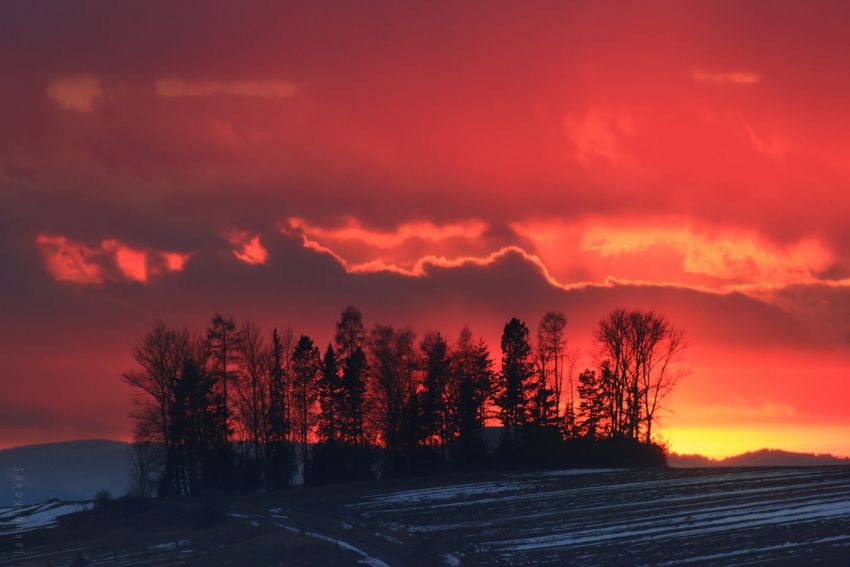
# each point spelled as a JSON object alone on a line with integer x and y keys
{"x": 435, "y": 402}
{"x": 222, "y": 341}
{"x": 305, "y": 371}
{"x": 329, "y": 394}
{"x": 516, "y": 377}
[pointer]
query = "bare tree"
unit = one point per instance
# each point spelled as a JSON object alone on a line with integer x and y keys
{"x": 641, "y": 349}
{"x": 572, "y": 357}
{"x": 160, "y": 355}
{"x": 551, "y": 342}
{"x": 394, "y": 391}
{"x": 146, "y": 461}
{"x": 253, "y": 359}
{"x": 661, "y": 374}
{"x": 287, "y": 348}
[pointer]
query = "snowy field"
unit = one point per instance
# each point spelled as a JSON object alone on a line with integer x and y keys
{"x": 724, "y": 517}
{"x": 674, "y": 517}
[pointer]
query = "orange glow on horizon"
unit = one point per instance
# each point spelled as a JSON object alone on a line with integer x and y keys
{"x": 732, "y": 440}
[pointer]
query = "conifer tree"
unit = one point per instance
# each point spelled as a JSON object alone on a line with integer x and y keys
{"x": 435, "y": 403}
{"x": 306, "y": 364}
{"x": 516, "y": 377}
{"x": 280, "y": 450}
{"x": 353, "y": 395}
{"x": 329, "y": 393}
{"x": 591, "y": 405}
{"x": 222, "y": 340}
{"x": 350, "y": 333}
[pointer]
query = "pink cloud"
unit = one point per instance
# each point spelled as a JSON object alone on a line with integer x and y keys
{"x": 111, "y": 261}
{"x": 249, "y": 248}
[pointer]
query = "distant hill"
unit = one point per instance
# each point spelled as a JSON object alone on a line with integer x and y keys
{"x": 760, "y": 458}
{"x": 71, "y": 470}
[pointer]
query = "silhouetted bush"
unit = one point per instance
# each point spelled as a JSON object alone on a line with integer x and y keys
{"x": 102, "y": 498}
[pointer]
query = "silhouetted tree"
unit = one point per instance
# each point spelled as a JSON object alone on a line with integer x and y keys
{"x": 329, "y": 393}
{"x": 287, "y": 347}
{"x": 516, "y": 376}
{"x": 353, "y": 391}
{"x": 642, "y": 347}
{"x": 161, "y": 355}
{"x": 196, "y": 425}
{"x": 350, "y": 333}
{"x": 568, "y": 421}
{"x": 253, "y": 390}
{"x": 543, "y": 408}
{"x": 591, "y": 404}
{"x": 392, "y": 366}
{"x": 551, "y": 344}
{"x": 660, "y": 373}
{"x": 471, "y": 389}
{"x": 223, "y": 341}
{"x": 435, "y": 403}
{"x": 485, "y": 380}
{"x": 400, "y": 407}
{"x": 146, "y": 462}
{"x": 411, "y": 425}
{"x": 280, "y": 458}
{"x": 471, "y": 386}
{"x": 305, "y": 368}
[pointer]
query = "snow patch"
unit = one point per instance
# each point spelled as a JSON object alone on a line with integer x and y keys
{"x": 365, "y": 559}
{"x": 18, "y": 520}
{"x": 443, "y": 493}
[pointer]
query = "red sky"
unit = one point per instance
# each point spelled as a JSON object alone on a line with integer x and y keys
{"x": 435, "y": 164}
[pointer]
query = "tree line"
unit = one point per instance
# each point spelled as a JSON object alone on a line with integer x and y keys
{"x": 235, "y": 407}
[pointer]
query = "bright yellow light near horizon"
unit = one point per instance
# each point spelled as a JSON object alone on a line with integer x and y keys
{"x": 720, "y": 442}
{"x": 716, "y": 443}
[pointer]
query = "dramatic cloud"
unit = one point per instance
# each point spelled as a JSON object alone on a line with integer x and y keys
{"x": 739, "y": 258}
{"x": 404, "y": 249}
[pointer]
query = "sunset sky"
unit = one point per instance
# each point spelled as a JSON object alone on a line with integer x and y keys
{"x": 434, "y": 164}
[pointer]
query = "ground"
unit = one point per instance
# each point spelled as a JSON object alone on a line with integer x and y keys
{"x": 754, "y": 516}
